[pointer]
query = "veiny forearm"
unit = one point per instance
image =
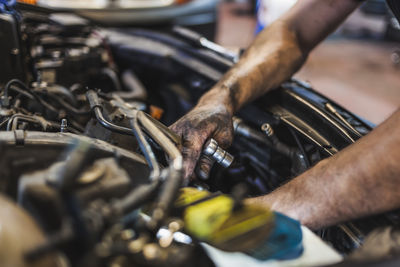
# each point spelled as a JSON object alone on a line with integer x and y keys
{"x": 279, "y": 51}
{"x": 273, "y": 58}
{"x": 361, "y": 180}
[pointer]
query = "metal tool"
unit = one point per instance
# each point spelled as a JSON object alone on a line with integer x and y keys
{"x": 201, "y": 41}
{"x": 331, "y": 109}
{"x": 213, "y": 150}
{"x": 242, "y": 129}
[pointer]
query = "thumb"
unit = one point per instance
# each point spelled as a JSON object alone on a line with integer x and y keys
{"x": 191, "y": 152}
{"x": 204, "y": 167}
{"x": 224, "y": 137}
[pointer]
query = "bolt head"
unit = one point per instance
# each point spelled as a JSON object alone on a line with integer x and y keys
{"x": 210, "y": 147}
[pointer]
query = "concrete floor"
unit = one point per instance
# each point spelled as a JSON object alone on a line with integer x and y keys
{"x": 357, "y": 74}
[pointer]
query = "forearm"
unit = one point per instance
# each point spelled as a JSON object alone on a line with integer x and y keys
{"x": 276, "y": 54}
{"x": 279, "y": 51}
{"x": 273, "y": 58}
{"x": 361, "y": 180}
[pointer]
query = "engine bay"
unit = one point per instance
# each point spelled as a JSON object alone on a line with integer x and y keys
{"x": 87, "y": 152}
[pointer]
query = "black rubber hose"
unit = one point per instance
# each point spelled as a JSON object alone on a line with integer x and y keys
{"x": 301, "y": 148}
{"x": 109, "y": 125}
{"x": 135, "y": 198}
{"x": 23, "y": 86}
{"x": 97, "y": 108}
{"x": 69, "y": 108}
{"x": 146, "y": 149}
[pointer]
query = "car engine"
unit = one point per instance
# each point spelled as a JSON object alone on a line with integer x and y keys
{"x": 87, "y": 153}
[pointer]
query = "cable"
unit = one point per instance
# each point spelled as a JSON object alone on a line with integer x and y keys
{"x": 69, "y": 107}
{"x": 97, "y": 108}
{"x": 28, "y": 93}
{"x": 109, "y": 125}
{"x": 113, "y": 78}
{"x": 16, "y": 117}
{"x": 301, "y": 147}
{"x": 166, "y": 131}
{"x": 146, "y": 149}
{"x": 25, "y": 88}
{"x": 12, "y": 123}
{"x": 162, "y": 139}
{"x": 4, "y": 122}
{"x": 22, "y": 92}
{"x": 174, "y": 181}
{"x": 135, "y": 198}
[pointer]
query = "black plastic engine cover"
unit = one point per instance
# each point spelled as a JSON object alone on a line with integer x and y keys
{"x": 10, "y": 50}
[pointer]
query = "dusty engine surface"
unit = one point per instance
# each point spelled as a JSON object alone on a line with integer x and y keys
{"x": 86, "y": 152}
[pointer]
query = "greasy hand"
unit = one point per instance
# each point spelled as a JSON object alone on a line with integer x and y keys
{"x": 195, "y": 128}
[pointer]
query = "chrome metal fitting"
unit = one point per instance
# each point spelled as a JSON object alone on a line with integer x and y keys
{"x": 236, "y": 123}
{"x": 222, "y": 157}
{"x": 267, "y": 129}
{"x": 64, "y": 126}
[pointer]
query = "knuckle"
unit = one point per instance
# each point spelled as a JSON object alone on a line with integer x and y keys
{"x": 206, "y": 162}
{"x": 224, "y": 140}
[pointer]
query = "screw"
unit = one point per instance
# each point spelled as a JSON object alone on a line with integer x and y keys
{"x": 64, "y": 126}
{"x": 266, "y": 127}
{"x": 14, "y": 51}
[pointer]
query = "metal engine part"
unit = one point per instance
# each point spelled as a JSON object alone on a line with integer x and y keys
{"x": 86, "y": 150}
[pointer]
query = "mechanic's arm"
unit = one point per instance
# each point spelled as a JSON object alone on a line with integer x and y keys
{"x": 276, "y": 54}
{"x": 363, "y": 179}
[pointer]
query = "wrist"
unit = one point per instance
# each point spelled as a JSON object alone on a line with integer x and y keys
{"x": 218, "y": 97}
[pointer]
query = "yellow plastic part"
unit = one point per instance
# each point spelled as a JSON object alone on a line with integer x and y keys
{"x": 214, "y": 220}
{"x": 190, "y": 195}
{"x": 204, "y": 219}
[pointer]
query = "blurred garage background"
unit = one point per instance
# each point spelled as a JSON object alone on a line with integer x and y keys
{"x": 358, "y": 66}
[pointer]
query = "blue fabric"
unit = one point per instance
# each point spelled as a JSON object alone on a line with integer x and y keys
{"x": 284, "y": 243}
{"x": 259, "y": 26}
{"x": 7, "y": 6}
